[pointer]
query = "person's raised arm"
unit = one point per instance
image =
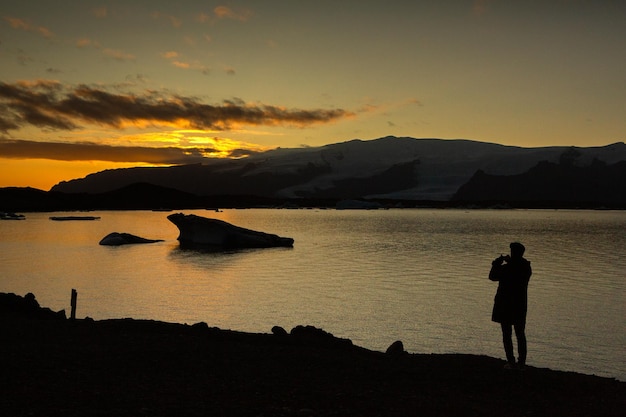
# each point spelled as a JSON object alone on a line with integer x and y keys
{"x": 496, "y": 268}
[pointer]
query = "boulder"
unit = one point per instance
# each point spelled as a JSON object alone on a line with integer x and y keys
{"x": 27, "y": 307}
{"x": 396, "y": 349}
{"x": 279, "y": 331}
{"x": 313, "y": 336}
{"x": 205, "y": 232}
{"x": 117, "y": 239}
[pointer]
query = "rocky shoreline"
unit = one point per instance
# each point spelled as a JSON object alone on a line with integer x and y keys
{"x": 53, "y": 366}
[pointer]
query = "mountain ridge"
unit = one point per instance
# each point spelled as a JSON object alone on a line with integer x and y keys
{"x": 548, "y": 181}
{"x": 385, "y": 168}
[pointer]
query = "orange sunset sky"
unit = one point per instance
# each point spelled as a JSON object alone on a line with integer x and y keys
{"x": 92, "y": 85}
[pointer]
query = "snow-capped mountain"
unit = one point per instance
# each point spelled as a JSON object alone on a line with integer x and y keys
{"x": 389, "y": 167}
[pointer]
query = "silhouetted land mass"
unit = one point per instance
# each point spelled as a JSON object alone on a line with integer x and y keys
{"x": 152, "y": 197}
{"x": 547, "y": 185}
{"x": 576, "y": 179}
{"x": 562, "y": 183}
{"x": 385, "y": 168}
{"x": 53, "y": 366}
{"x": 239, "y": 183}
{"x": 395, "y": 178}
{"x": 139, "y": 196}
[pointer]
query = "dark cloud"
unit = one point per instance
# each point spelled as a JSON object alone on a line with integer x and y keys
{"x": 6, "y": 118}
{"x": 52, "y": 105}
{"x": 242, "y": 153}
{"x": 94, "y": 152}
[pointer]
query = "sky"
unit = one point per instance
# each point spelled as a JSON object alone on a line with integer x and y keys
{"x": 92, "y": 85}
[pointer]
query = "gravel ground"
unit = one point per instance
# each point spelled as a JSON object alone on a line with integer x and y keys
{"x": 128, "y": 367}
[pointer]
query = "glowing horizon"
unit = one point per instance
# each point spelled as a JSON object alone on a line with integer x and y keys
{"x": 113, "y": 85}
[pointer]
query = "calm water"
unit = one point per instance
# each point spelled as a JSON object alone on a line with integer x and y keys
{"x": 374, "y": 277}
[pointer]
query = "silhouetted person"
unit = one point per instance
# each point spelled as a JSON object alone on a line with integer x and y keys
{"x": 510, "y": 305}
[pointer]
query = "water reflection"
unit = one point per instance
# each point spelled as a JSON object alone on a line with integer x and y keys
{"x": 204, "y": 256}
{"x": 374, "y": 277}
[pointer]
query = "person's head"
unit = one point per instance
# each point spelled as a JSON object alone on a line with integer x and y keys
{"x": 517, "y": 250}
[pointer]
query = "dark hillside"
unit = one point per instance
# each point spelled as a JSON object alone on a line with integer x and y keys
{"x": 598, "y": 183}
{"x": 13, "y": 199}
{"x": 144, "y": 196}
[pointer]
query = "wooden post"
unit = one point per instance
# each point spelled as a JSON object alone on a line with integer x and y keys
{"x": 74, "y": 296}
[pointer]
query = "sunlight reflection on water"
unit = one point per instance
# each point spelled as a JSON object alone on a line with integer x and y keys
{"x": 419, "y": 276}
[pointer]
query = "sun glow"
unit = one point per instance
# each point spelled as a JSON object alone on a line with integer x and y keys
{"x": 45, "y": 173}
{"x": 219, "y": 147}
{"x": 206, "y": 142}
{"x": 151, "y": 123}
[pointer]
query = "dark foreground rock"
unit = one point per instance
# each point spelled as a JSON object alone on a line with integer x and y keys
{"x": 15, "y": 306}
{"x": 146, "y": 368}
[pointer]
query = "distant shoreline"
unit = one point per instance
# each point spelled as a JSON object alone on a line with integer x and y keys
{"x": 30, "y": 200}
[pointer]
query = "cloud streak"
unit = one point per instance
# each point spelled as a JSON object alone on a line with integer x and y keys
{"x": 116, "y": 54}
{"x": 223, "y": 12}
{"x": 174, "y": 58}
{"x": 49, "y": 104}
{"x": 87, "y": 151}
{"x": 21, "y": 24}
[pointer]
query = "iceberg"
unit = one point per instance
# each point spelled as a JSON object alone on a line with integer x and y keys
{"x": 202, "y": 231}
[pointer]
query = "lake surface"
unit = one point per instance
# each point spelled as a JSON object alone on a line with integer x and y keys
{"x": 416, "y": 275}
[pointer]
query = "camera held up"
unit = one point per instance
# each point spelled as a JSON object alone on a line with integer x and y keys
{"x": 501, "y": 259}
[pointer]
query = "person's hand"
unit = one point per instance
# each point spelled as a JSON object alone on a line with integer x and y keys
{"x": 501, "y": 259}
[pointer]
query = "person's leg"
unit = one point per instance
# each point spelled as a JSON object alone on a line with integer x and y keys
{"x": 507, "y": 334}
{"x": 520, "y": 335}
